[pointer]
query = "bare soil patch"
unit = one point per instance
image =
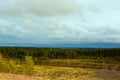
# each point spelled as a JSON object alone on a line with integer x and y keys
{"x": 108, "y": 75}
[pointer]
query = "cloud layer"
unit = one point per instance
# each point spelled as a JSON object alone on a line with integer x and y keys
{"x": 48, "y": 21}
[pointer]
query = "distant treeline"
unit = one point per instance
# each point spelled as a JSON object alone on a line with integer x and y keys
{"x": 61, "y": 53}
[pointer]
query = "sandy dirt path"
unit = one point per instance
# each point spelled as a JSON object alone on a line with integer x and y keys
{"x": 108, "y": 75}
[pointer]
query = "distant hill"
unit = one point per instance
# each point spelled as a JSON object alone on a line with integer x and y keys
{"x": 64, "y": 45}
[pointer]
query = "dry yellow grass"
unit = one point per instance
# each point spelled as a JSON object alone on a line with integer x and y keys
{"x": 35, "y": 72}
{"x": 9, "y": 76}
{"x": 64, "y": 73}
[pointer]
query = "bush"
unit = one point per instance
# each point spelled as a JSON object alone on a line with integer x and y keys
{"x": 11, "y": 66}
{"x": 4, "y": 65}
{"x": 28, "y": 66}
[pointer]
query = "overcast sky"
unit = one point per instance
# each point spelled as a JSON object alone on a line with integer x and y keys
{"x": 50, "y": 21}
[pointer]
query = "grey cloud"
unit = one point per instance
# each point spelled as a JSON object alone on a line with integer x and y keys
{"x": 39, "y": 7}
{"x": 53, "y": 7}
{"x": 11, "y": 8}
{"x": 34, "y": 20}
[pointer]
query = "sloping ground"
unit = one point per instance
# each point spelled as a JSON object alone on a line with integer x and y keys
{"x": 65, "y": 73}
{"x": 8, "y": 76}
{"x": 82, "y": 63}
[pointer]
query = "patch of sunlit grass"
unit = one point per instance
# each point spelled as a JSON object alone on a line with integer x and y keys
{"x": 64, "y": 73}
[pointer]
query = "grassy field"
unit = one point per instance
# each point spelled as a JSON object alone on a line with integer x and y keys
{"x": 55, "y": 64}
{"x": 82, "y": 63}
{"x": 67, "y": 73}
{"x": 10, "y": 76}
{"x": 63, "y": 73}
{"x": 12, "y": 69}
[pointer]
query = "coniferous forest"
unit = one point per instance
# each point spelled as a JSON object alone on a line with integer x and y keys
{"x": 62, "y": 53}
